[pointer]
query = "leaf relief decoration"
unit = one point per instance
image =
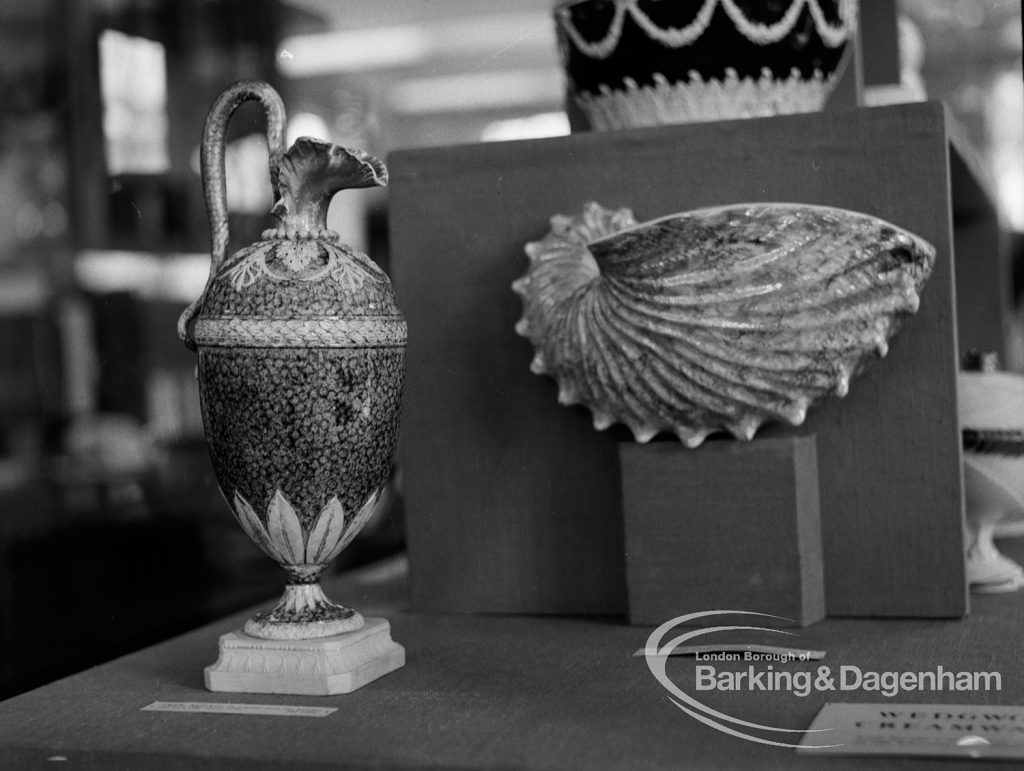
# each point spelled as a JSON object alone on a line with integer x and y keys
{"x": 328, "y": 530}
{"x": 254, "y": 528}
{"x": 358, "y": 521}
{"x": 285, "y": 529}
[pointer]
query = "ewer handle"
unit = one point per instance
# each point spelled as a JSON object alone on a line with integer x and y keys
{"x": 214, "y": 184}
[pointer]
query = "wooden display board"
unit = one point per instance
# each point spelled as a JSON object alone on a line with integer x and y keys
{"x": 514, "y": 502}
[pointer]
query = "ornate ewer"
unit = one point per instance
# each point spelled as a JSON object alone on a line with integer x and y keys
{"x": 301, "y": 367}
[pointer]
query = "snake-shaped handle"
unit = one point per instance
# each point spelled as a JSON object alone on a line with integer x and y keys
{"x": 214, "y": 185}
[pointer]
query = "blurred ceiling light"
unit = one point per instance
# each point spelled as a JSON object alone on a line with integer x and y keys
{"x": 307, "y": 124}
{"x": 543, "y": 124}
{"x": 372, "y": 49}
{"x": 489, "y": 37}
{"x": 493, "y": 35}
{"x": 1007, "y": 135}
{"x": 492, "y": 90}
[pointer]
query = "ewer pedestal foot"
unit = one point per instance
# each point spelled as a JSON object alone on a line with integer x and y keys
{"x": 304, "y": 612}
{"x": 321, "y": 667}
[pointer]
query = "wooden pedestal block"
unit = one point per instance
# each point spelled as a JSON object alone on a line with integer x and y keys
{"x": 732, "y": 526}
{"x": 322, "y": 667}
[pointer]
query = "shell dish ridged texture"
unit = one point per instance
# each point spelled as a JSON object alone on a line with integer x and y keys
{"x": 714, "y": 319}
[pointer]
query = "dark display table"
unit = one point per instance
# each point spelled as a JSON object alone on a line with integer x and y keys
{"x": 485, "y": 691}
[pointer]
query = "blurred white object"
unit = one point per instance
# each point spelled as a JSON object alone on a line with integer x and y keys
{"x": 991, "y": 406}
{"x": 174, "y": 277}
{"x": 911, "y": 87}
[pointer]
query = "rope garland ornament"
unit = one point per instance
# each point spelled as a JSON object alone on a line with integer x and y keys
{"x": 329, "y": 332}
{"x": 835, "y": 36}
{"x": 674, "y": 37}
{"x": 765, "y": 34}
{"x": 677, "y": 37}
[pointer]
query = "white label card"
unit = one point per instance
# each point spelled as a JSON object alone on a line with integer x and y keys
{"x": 939, "y": 730}
{"x": 286, "y": 710}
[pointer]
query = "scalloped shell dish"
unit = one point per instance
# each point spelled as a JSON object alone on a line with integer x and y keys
{"x": 717, "y": 319}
